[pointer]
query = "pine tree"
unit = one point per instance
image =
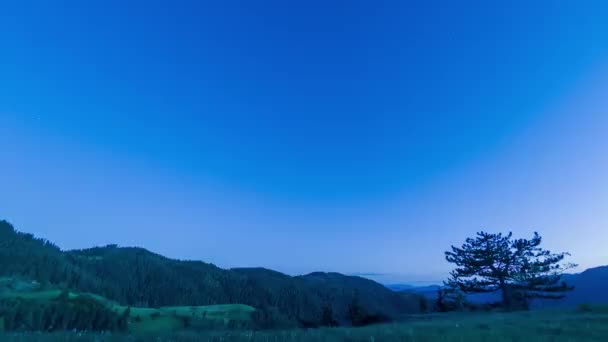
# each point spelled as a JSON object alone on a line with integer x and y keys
{"x": 356, "y": 312}
{"x": 519, "y": 268}
{"x": 327, "y": 317}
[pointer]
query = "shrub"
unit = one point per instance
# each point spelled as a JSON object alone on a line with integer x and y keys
{"x": 584, "y": 308}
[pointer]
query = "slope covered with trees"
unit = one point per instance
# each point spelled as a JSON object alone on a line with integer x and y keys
{"x": 336, "y": 291}
{"x": 137, "y": 277}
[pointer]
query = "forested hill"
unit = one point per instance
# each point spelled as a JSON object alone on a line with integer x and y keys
{"x": 137, "y": 277}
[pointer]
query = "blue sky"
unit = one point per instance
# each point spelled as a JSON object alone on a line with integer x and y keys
{"x": 348, "y": 136}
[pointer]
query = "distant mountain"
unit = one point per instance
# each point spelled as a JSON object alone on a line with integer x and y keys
{"x": 138, "y": 277}
{"x": 400, "y": 287}
{"x": 429, "y": 292}
{"x": 590, "y": 287}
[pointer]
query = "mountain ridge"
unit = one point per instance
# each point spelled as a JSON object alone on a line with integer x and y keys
{"x": 135, "y": 276}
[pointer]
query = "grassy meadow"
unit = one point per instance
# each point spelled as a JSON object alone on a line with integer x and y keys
{"x": 585, "y": 324}
{"x": 147, "y": 321}
{"x": 170, "y": 319}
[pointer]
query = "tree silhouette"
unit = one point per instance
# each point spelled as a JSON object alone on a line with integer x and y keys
{"x": 356, "y": 312}
{"x": 327, "y": 317}
{"x": 449, "y": 299}
{"x": 519, "y": 268}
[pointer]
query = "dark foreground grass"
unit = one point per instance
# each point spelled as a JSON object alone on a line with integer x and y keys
{"x": 540, "y": 326}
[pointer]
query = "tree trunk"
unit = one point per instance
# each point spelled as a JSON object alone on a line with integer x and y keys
{"x": 506, "y": 296}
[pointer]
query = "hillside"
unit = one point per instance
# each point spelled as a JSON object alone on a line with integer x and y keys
{"x": 400, "y": 287}
{"x": 589, "y": 288}
{"x": 139, "y": 278}
{"x": 27, "y": 305}
{"x": 337, "y": 290}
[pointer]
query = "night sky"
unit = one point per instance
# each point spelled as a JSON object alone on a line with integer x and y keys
{"x": 351, "y": 136}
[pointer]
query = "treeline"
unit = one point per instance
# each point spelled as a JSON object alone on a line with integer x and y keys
{"x": 137, "y": 277}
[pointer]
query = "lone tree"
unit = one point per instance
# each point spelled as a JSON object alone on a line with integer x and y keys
{"x": 519, "y": 268}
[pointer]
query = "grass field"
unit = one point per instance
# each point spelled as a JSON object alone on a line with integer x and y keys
{"x": 543, "y": 326}
{"x": 170, "y": 319}
{"x": 587, "y": 323}
{"x": 145, "y": 321}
